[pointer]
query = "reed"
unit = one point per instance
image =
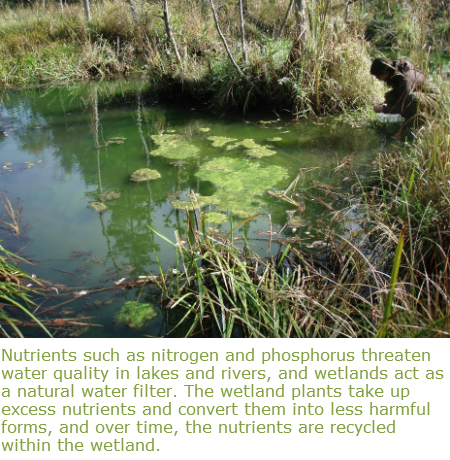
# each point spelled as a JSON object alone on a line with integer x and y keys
{"x": 16, "y": 302}
{"x": 14, "y": 215}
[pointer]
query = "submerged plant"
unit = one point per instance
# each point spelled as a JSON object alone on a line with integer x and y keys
{"x": 136, "y": 314}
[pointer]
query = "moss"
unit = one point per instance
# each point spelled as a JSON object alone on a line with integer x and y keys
{"x": 173, "y": 146}
{"x": 99, "y": 207}
{"x": 108, "y": 196}
{"x": 252, "y": 149}
{"x": 215, "y": 218}
{"x": 145, "y": 174}
{"x": 220, "y": 141}
{"x": 239, "y": 184}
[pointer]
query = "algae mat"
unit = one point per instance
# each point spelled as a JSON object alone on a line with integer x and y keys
{"x": 240, "y": 184}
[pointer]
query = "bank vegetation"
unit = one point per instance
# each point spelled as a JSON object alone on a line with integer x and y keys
{"x": 386, "y": 272}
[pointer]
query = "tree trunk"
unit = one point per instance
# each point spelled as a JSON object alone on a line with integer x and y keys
{"x": 286, "y": 17}
{"x": 87, "y": 10}
{"x": 134, "y": 11}
{"x": 300, "y": 17}
{"x": 224, "y": 41}
{"x": 241, "y": 16}
{"x": 169, "y": 32}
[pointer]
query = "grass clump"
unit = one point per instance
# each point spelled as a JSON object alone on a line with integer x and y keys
{"x": 15, "y": 298}
{"x": 379, "y": 268}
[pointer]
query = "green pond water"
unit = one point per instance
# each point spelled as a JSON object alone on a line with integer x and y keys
{"x": 94, "y": 166}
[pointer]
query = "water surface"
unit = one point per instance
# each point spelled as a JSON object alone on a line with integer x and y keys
{"x": 64, "y": 149}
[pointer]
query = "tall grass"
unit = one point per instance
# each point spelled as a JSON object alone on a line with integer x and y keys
{"x": 384, "y": 271}
{"x": 329, "y": 74}
{"x": 48, "y": 45}
{"x": 15, "y": 297}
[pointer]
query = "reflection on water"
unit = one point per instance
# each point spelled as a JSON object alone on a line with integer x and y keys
{"x": 68, "y": 155}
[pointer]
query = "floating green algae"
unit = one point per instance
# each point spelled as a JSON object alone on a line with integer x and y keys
{"x": 239, "y": 184}
{"x": 144, "y": 174}
{"x": 215, "y": 218}
{"x": 253, "y": 149}
{"x": 108, "y": 196}
{"x": 99, "y": 207}
{"x": 191, "y": 205}
{"x": 135, "y": 314}
{"x": 220, "y": 141}
{"x": 173, "y": 146}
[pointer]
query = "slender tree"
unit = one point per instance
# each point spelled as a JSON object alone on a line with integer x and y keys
{"x": 241, "y": 16}
{"x": 286, "y": 17}
{"x": 224, "y": 40}
{"x": 87, "y": 10}
{"x": 169, "y": 32}
{"x": 300, "y": 17}
{"x": 134, "y": 12}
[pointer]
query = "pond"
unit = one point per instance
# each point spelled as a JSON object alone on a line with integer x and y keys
{"x": 71, "y": 158}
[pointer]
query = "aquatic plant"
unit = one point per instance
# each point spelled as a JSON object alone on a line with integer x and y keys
{"x": 136, "y": 314}
{"x": 145, "y": 174}
{"x": 215, "y": 218}
{"x": 239, "y": 183}
{"x": 252, "y": 149}
{"x": 14, "y": 214}
{"x": 173, "y": 146}
{"x": 99, "y": 207}
{"x": 15, "y": 298}
{"x": 108, "y": 196}
{"x": 196, "y": 202}
{"x": 220, "y": 141}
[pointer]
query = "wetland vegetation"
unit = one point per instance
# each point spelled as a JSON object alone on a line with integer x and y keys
{"x": 353, "y": 226}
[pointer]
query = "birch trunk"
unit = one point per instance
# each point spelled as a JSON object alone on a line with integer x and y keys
{"x": 170, "y": 35}
{"x": 300, "y": 16}
{"x": 241, "y": 16}
{"x": 87, "y": 10}
{"x": 134, "y": 12}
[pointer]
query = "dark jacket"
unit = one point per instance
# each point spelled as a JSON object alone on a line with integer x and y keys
{"x": 405, "y": 81}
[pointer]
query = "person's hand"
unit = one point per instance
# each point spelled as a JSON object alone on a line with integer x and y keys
{"x": 378, "y": 108}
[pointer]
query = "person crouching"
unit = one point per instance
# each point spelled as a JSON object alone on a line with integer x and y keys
{"x": 410, "y": 95}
